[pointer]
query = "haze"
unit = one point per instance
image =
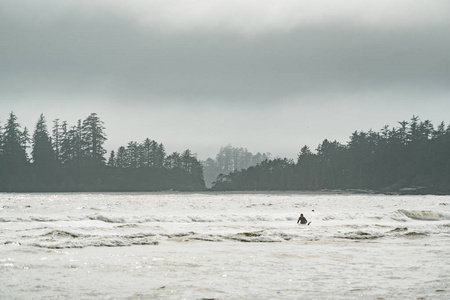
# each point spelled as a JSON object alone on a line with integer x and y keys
{"x": 271, "y": 76}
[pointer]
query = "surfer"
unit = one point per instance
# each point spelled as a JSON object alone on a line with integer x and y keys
{"x": 302, "y": 219}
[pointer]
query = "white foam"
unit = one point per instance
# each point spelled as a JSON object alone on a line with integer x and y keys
{"x": 425, "y": 215}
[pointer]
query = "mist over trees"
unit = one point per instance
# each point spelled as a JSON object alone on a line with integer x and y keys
{"x": 230, "y": 159}
{"x": 72, "y": 158}
{"x": 414, "y": 157}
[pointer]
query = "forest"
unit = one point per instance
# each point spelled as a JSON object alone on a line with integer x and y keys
{"x": 230, "y": 159}
{"x": 411, "y": 158}
{"x": 72, "y": 159}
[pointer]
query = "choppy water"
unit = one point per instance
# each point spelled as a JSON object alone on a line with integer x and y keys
{"x": 224, "y": 246}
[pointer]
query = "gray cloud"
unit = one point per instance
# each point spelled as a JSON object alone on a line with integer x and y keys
{"x": 259, "y": 86}
{"x": 110, "y": 54}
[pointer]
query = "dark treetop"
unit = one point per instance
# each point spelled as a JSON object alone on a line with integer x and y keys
{"x": 72, "y": 159}
{"x": 412, "y": 158}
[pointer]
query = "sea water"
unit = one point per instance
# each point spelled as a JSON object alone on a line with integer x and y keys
{"x": 224, "y": 246}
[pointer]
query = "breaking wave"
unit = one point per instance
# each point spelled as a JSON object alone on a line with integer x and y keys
{"x": 32, "y": 219}
{"x": 61, "y": 234}
{"x": 59, "y": 239}
{"x": 93, "y": 243}
{"x": 80, "y": 238}
{"x": 361, "y": 235}
{"x": 425, "y": 215}
{"x": 415, "y": 234}
{"x": 153, "y": 218}
{"x": 399, "y": 229}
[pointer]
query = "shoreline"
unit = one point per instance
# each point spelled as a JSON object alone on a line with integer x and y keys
{"x": 404, "y": 192}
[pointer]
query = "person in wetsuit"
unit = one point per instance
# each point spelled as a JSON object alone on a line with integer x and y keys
{"x": 302, "y": 219}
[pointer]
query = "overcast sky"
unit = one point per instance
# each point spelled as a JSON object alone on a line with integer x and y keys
{"x": 270, "y": 76}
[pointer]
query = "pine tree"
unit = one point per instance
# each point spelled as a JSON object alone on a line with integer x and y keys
{"x": 146, "y": 150}
{"x": 173, "y": 161}
{"x": 112, "y": 159}
{"x": 42, "y": 152}
{"x": 65, "y": 147}
{"x": 160, "y": 156}
{"x": 133, "y": 154}
{"x": 14, "y": 143}
{"x": 93, "y": 138}
{"x": 1, "y": 142}
{"x": 56, "y": 139}
{"x": 13, "y": 156}
{"x": 121, "y": 158}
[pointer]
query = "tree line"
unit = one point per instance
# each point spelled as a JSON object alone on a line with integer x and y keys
{"x": 413, "y": 157}
{"x": 72, "y": 158}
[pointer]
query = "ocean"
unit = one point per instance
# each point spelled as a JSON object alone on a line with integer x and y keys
{"x": 224, "y": 246}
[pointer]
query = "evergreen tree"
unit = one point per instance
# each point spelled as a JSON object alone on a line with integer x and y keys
{"x": 173, "y": 161}
{"x": 44, "y": 161}
{"x": 146, "y": 153}
{"x": 42, "y": 152}
{"x": 440, "y": 131}
{"x": 14, "y": 171}
{"x": 65, "y": 154}
{"x": 329, "y": 154}
{"x": 112, "y": 159}
{"x": 160, "y": 156}
{"x": 14, "y": 143}
{"x": 1, "y": 142}
{"x": 306, "y": 170}
{"x": 56, "y": 139}
{"x": 133, "y": 154}
{"x": 93, "y": 138}
{"x": 121, "y": 158}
